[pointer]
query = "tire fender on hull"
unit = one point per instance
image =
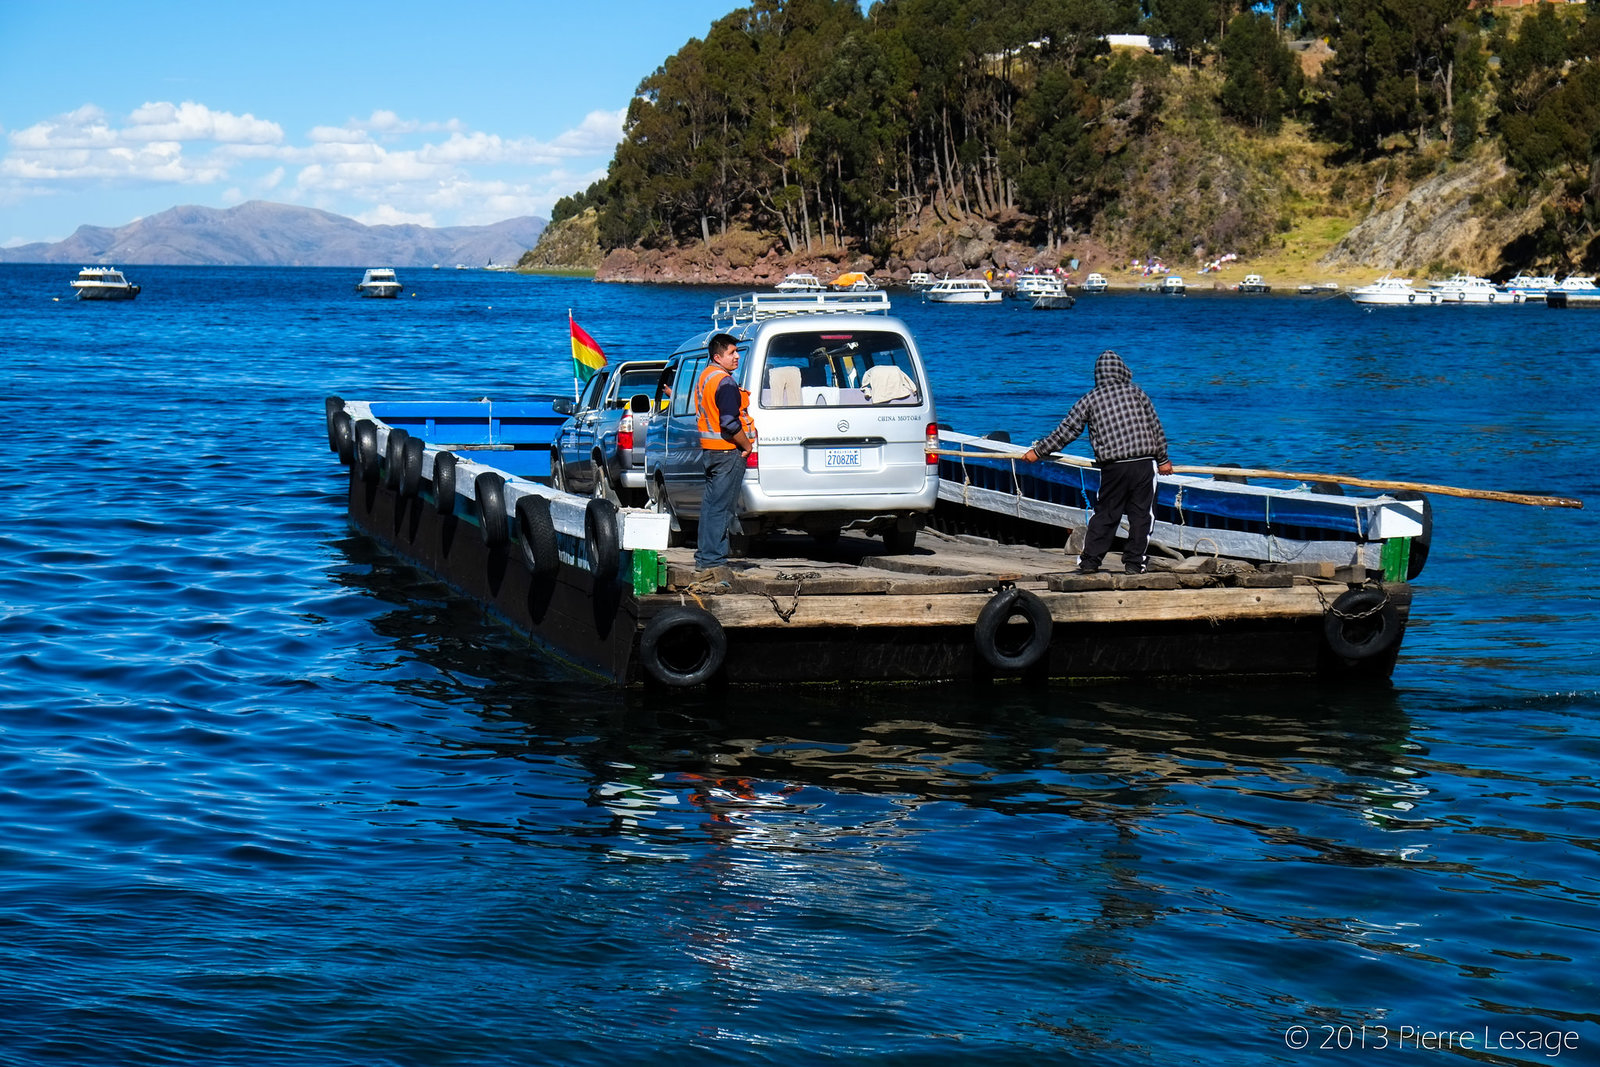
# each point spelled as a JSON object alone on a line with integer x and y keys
{"x": 1000, "y": 649}
{"x": 1361, "y": 624}
{"x": 366, "y": 450}
{"x": 489, "y": 489}
{"x": 601, "y": 538}
{"x": 537, "y": 532}
{"x": 683, "y": 646}
{"x": 444, "y": 483}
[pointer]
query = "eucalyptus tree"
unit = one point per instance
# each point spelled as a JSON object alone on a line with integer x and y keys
{"x": 1262, "y": 78}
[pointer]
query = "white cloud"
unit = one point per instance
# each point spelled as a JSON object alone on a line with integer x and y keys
{"x": 189, "y": 121}
{"x": 384, "y": 168}
{"x": 599, "y": 132}
{"x": 388, "y": 215}
{"x": 338, "y": 135}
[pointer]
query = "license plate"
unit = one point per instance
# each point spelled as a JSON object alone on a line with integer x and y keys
{"x": 839, "y": 458}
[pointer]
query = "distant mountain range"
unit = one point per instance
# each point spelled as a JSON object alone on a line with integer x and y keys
{"x": 262, "y": 234}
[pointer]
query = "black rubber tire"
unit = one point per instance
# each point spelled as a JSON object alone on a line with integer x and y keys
{"x": 1373, "y": 634}
{"x": 558, "y": 473}
{"x": 332, "y": 406}
{"x": 411, "y": 456}
{"x": 538, "y": 535}
{"x": 444, "y": 483}
{"x": 601, "y": 538}
{"x": 989, "y": 636}
{"x": 683, "y": 646}
{"x": 394, "y": 458}
{"x": 1420, "y": 543}
{"x": 342, "y": 431}
{"x": 490, "y": 490}
{"x": 367, "y": 449}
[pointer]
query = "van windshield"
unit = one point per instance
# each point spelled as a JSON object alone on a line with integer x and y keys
{"x": 839, "y": 368}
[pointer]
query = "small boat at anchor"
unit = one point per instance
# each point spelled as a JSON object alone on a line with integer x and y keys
{"x": 1389, "y": 290}
{"x": 103, "y": 283}
{"x": 1095, "y": 283}
{"x": 800, "y": 282}
{"x": 963, "y": 291}
{"x": 379, "y": 282}
{"x": 1463, "y": 289}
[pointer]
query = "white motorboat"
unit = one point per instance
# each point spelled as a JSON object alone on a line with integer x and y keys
{"x": 963, "y": 291}
{"x": 1095, "y": 283}
{"x": 920, "y": 282}
{"x": 800, "y": 283}
{"x": 1389, "y": 290}
{"x": 1253, "y": 284}
{"x": 1173, "y": 285}
{"x": 1028, "y": 286}
{"x": 1319, "y": 287}
{"x": 103, "y": 283}
{"x": 1462, "y": 289}
{"x": 1577, "y": 283}
{"x": 1524, "y": 287}
{"x": 853, "y": 282}
{"x": 1575, "y": 290}
{"x": 379, "y": 282}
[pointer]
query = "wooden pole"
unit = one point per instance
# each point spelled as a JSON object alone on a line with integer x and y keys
{"x": 1301, "y": 476}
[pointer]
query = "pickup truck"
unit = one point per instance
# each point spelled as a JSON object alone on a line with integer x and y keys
{"x": 599, "y": 450}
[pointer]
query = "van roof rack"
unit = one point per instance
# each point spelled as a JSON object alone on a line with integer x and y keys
{"x": 753, "y": 307}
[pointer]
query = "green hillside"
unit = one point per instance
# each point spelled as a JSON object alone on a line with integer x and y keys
{"x": 1317, "y": 138}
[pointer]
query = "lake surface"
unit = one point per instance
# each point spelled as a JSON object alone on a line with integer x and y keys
{"x": 270, "y": 796}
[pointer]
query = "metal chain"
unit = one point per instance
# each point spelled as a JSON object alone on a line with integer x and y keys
{"x": 1379, "y": 606}
{"x": 799, "y": 579}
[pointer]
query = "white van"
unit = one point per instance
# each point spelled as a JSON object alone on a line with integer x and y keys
{"x": 845, "y": 423}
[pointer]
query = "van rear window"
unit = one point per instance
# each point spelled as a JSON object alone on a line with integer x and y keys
{"x": 868, "y": 368}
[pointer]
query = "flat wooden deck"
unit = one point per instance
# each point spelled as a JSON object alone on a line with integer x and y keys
{"x": 791, "y": 582}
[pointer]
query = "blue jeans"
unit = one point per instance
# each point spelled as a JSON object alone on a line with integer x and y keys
{"x": 724, "y": 477}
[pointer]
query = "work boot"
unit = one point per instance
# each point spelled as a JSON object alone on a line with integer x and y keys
{"x": 1088, "y": 566}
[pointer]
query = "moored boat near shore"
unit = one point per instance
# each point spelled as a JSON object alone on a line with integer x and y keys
{"x": 962, "y": 291}
{"x": 1463, "y": 289}
{"x": 1389, "y": 290}
{"x": 1525, "y": 287}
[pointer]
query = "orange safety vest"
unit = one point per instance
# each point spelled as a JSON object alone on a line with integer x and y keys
{"x": 710, "y": 419}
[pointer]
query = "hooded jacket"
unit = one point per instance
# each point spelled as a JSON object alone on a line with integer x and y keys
{"x": 1122, "y": 422}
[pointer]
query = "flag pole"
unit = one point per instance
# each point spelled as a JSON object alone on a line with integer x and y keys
{"x": 575, "y": 392}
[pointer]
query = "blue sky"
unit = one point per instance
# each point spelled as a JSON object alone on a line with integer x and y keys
{"x": 442, "y": 114}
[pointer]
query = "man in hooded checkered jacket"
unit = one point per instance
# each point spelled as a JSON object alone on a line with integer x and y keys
{"x": 1129, "y": 448}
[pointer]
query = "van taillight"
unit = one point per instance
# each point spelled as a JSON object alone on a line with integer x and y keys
{"x": 750, "y": 460}
{"x": 933, "y": 444}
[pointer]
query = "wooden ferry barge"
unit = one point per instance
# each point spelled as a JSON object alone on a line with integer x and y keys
{"x": 1247, "y": 582}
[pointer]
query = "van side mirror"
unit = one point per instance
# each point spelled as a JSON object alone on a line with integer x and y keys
{"x": 564, "y": 405}
{"x": 639, "y": 404}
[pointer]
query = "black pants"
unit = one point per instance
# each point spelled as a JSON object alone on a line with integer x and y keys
{"x": 1127, "y": 487}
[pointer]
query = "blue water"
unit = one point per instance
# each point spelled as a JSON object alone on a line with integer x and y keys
{"x": 270, "y": 796}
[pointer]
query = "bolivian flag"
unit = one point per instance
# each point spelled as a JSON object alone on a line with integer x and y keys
{"x": 587, "y": 356}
